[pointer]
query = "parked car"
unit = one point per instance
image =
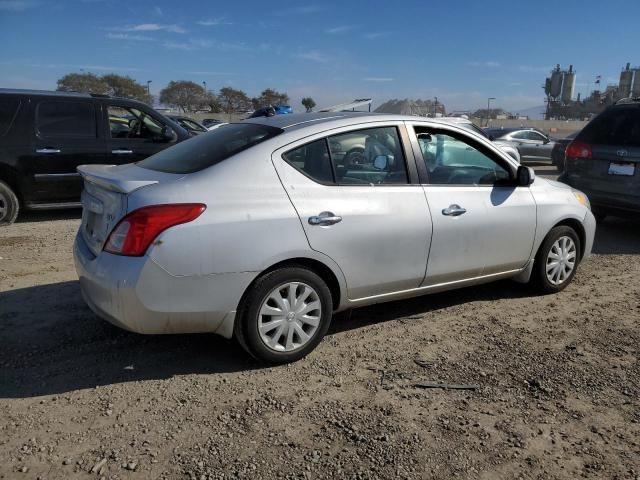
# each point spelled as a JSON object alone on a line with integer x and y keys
{"x": 44, "y": 136}
{"x": 557, "y": 153}
{"x": 604, "y": 160}
{"x": 507, "y": 147}
{"x": 189, "y": 124}
{"x": 208, "y": 122}
{"x": 256, "y": 231}
{"x": 533, "y": 145}
{"x": 270, "y": 111}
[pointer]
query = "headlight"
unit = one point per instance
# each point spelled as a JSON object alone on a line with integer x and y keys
{"x": 582, "y": 198}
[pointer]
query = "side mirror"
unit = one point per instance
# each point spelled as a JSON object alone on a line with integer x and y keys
{"x": 380, "y": 162}
{"x": 546, "y": 140}
{"x": 167, "y": 134}
{"x": 525, "y": 176}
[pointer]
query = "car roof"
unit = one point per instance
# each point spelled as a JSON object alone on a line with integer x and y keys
{"x": 56, "y": 93}
{"x": 295, "y": 121}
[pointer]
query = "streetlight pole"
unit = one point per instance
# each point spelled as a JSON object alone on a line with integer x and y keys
{"x": 435, "y": 108}
{"x": 489, "y": 108}
{"x": 204, "y": 85}
{"x": 148, "y": 88}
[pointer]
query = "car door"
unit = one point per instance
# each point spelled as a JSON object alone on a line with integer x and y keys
{"x": 66, "y": 134}
{"x": 526, "y": 146}
{"x": 483, "y": 224}
{"x": 540, "y": 147}
{"x": 368, "y": 212}
{"x": 133, "y": 134}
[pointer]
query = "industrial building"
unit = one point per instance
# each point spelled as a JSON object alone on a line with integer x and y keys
{"x": 560, "y": 85}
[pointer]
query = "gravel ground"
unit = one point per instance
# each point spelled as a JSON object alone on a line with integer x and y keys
{"x": 558, "y": 382}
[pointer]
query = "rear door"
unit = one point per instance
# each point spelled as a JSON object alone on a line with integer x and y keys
{"x": 526, "y": 146}
{"x": 363, "y": 211}
{"x": 483, "y": 223}
{"x": 132, "y": 134}
{"x": 66, "y": 134}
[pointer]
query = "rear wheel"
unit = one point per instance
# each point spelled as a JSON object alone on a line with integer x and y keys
{"x": 9, "y": 205}
{"x": 285, "y": 315}
{"x": 557, "y": 260}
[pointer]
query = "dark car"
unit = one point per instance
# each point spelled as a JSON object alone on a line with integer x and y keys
{"x": 533, "y": 145}
{"x": 189, "y": 124}
{"x": 557, "y": 153}
{"x": 207, "y": 122}
{"x": 604, "y": 160}
{"x": 45, "y": 135}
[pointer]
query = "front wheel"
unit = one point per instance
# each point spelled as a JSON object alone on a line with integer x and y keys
{"x": 557, "y": 260}
{"x": 9, "y": 205}
{"x": 285, "y": 315}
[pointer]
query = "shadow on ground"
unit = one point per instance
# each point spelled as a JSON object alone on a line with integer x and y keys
{"x": 618, "y": 236}
{"x": 49, "y": 215}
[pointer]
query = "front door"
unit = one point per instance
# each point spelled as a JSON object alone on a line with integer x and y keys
{"x": 360, "y": 210}
{"x": 66, "y": 134}
{"x": 483, "y": 223}
{"x": 133, "y": 135}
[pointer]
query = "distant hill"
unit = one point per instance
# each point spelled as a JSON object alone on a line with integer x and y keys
{"x": 410, "y": 107}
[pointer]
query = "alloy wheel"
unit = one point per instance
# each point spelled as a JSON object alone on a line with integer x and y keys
{"x": 561, "y": 260}
{"x": 289, "y": 316}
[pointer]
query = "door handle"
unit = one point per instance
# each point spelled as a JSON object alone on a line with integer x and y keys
{"x": 454, "y": 210}
{"x": 48, "y": 150}
{"x": 324, "y": 219}
{"x": 122, "y": 151}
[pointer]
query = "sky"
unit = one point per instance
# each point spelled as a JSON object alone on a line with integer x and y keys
{"x": 334, "y": 51}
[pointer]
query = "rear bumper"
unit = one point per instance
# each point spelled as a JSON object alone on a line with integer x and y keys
{"x": 136, "y": 294}
{"x": 598, "y": 198}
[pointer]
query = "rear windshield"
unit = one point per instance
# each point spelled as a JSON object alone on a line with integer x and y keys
{"x": 618, "y": 126}
{"x": 209, "y": 148}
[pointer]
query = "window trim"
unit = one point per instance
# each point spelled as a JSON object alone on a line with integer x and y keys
{"x": 410, "y": 160}
{"x": 460, "y": 136}
{"x": 42, "y": 136}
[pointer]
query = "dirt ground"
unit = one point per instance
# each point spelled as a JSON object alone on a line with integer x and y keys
{"x": 558, "y": 378}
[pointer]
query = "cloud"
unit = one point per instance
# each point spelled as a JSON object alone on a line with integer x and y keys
{"x": 340, "y": 29}
{"x": 214, "y": 22}
{"x": 17, "y": 5}
{"x": 128, "y": 37}
{"x": 377, "y": 79}
{"x": 70, "y": 66}
{"x": 313, "y": 56}
{"x": 158, "y": 11}
{"x": 190, "y": 45}
{"x": 151, "y": 27}
{"x": 489, "y": 64}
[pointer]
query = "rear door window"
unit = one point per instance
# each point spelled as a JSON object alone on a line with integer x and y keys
{"x": 207, "y": 150}
{"x": 8, "y": 110}
{"x": 66, "y": 119}
{"x": 618, "y": 126}
{"x": 313, "y": 160}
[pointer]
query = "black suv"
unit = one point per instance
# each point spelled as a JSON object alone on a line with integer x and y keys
{"x": 604, "y": 160}
{"x": 44, "y": 136}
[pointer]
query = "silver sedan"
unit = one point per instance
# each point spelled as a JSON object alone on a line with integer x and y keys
{"x": 259, "y": 231}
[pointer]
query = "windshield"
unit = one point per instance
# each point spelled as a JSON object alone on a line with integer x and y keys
{"x": 204, "y": 151}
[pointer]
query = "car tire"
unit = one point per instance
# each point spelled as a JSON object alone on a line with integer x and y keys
{"x": 273, "y": 333}
{"x": 559, "y": 251}
{"x": 9, "y": 205}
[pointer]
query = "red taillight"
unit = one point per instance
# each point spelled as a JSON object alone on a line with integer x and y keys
{"x": 578, "y": 150}
{"x": 135, "y": 232}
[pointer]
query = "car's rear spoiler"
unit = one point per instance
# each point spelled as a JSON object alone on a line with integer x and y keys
{"x": 118, "y": 178}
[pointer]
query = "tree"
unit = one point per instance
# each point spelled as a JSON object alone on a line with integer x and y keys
{"x": 270, "y": 97}
{"x": 83, "y": 82}
{"x": 184, "y": 94}
{"x": 308, "y": 103}
{"x": 232, "y": 100}
{"x": 110, "y": 84}
{"x": 127, "y": 87}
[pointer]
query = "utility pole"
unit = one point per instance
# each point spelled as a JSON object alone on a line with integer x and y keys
{"x": 148, "y": 88}
{"x": 489, "y": 109}
{"x": 204, "y": 85}
{"x": 435, "y": 108}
